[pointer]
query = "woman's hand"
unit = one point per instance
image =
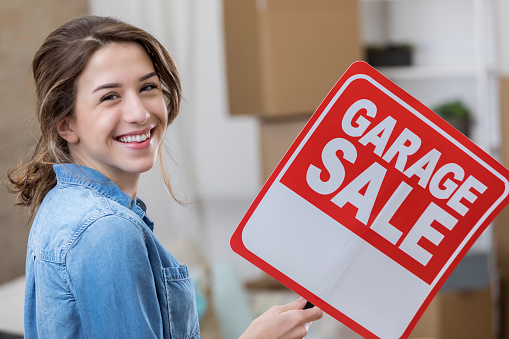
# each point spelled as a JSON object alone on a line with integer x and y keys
{"x": 286, "y": 322}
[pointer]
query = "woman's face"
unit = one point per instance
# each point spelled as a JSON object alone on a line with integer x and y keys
{"x": 120, "y": 114}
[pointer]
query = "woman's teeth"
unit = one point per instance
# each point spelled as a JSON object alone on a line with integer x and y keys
{"x": 135, "y": 138}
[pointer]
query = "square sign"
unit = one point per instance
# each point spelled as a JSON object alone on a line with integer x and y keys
{"x": 372, "y": 207}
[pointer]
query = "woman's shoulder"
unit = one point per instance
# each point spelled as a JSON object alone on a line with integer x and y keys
{"x": 109, "y": 231}
{"x": 67, "y": 212}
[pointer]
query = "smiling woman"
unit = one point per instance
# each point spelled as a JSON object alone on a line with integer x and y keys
{"x": 119, "y": 117}
{"x": 64, "y": 55}
{"x": 106, "y": 93}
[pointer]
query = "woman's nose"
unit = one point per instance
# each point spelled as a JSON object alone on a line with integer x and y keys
{"x": 135, "y": 112}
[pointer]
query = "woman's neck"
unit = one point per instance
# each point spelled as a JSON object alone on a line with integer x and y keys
{"x": 127, "y": 182}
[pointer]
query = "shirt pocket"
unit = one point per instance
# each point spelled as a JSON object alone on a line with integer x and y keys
{"x": 181, "y": 300}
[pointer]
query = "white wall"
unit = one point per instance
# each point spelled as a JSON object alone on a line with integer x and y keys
{"x": 502, "y": 7}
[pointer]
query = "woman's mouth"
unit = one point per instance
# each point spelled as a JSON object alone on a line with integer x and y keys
{"x": 135, "y": 137}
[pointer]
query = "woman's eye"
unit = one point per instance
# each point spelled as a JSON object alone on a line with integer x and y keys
{"x": 148, "y": 87}
{"x": 110, "y": 96}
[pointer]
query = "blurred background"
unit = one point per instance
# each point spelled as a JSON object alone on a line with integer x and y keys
{"x": 253, "y": 72}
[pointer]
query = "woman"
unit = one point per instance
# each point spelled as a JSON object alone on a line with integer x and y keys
{"x": 106, "y": 93}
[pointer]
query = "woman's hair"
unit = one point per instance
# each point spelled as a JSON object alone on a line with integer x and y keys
{"x": 56, "y": 67}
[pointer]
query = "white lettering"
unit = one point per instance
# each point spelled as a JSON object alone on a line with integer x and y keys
{"x": 373, "y": 177}
{"x": 385, "y": 127}
{"x": 464, "y": 192}
{"x": 382, "y": 225}
{"x": 362, "y": 123}
{"x": 424, "y": 167}
{"x": 333, "y": 165}
{"x": 423, "y": 229}
{"x": 403, "y": 150}
{"x": 449, "y": 185}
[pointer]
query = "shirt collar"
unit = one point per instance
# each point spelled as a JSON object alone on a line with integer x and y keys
{"x": 94, "y": 180}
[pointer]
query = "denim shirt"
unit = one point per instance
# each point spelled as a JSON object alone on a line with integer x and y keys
{"x": 94, "y": 268}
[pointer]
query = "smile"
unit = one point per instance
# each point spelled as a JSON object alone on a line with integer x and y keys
{"x": 134, "y": 138}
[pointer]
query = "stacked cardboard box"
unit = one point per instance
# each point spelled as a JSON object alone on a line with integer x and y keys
{"x": 276, "y": 136}
{"x": 454, "y": 314}
{"x": 283, "y": 56}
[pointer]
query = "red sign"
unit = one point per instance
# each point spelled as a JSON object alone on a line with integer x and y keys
{"x": 411, "y": 193}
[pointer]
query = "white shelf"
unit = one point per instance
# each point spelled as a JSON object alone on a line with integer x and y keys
{"x": 402, "y": 0}
{"x": 428, "y": 73}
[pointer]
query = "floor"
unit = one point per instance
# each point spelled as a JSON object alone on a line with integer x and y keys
{"x": 11, "y": 312}
{"x": 4, "y": 335}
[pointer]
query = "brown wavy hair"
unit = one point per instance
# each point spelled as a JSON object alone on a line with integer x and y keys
{"x": 56, "y": 67}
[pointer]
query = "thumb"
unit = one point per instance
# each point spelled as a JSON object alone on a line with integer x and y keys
{"x": 294, "y": 305}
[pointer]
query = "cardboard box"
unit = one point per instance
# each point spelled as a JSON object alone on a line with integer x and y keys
{"x": 276, "y": 136}
{"x": 464, "y": 306}
{"x": 451, "y": 315}
{"x": 283, "y": 56}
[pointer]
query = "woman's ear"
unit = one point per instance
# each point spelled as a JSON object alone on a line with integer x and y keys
{"x": 65, "y": 129}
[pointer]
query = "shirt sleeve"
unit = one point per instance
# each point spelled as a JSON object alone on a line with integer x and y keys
{"x": 110, "y": 276}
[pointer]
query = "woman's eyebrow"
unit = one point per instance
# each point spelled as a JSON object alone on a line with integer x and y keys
{"x": 117, "y": 85}
{"x": 147, "y": 76}
{"x": 107, "y": 86}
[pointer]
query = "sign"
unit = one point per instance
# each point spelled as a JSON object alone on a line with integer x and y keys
{"x": 372, "y": 207}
